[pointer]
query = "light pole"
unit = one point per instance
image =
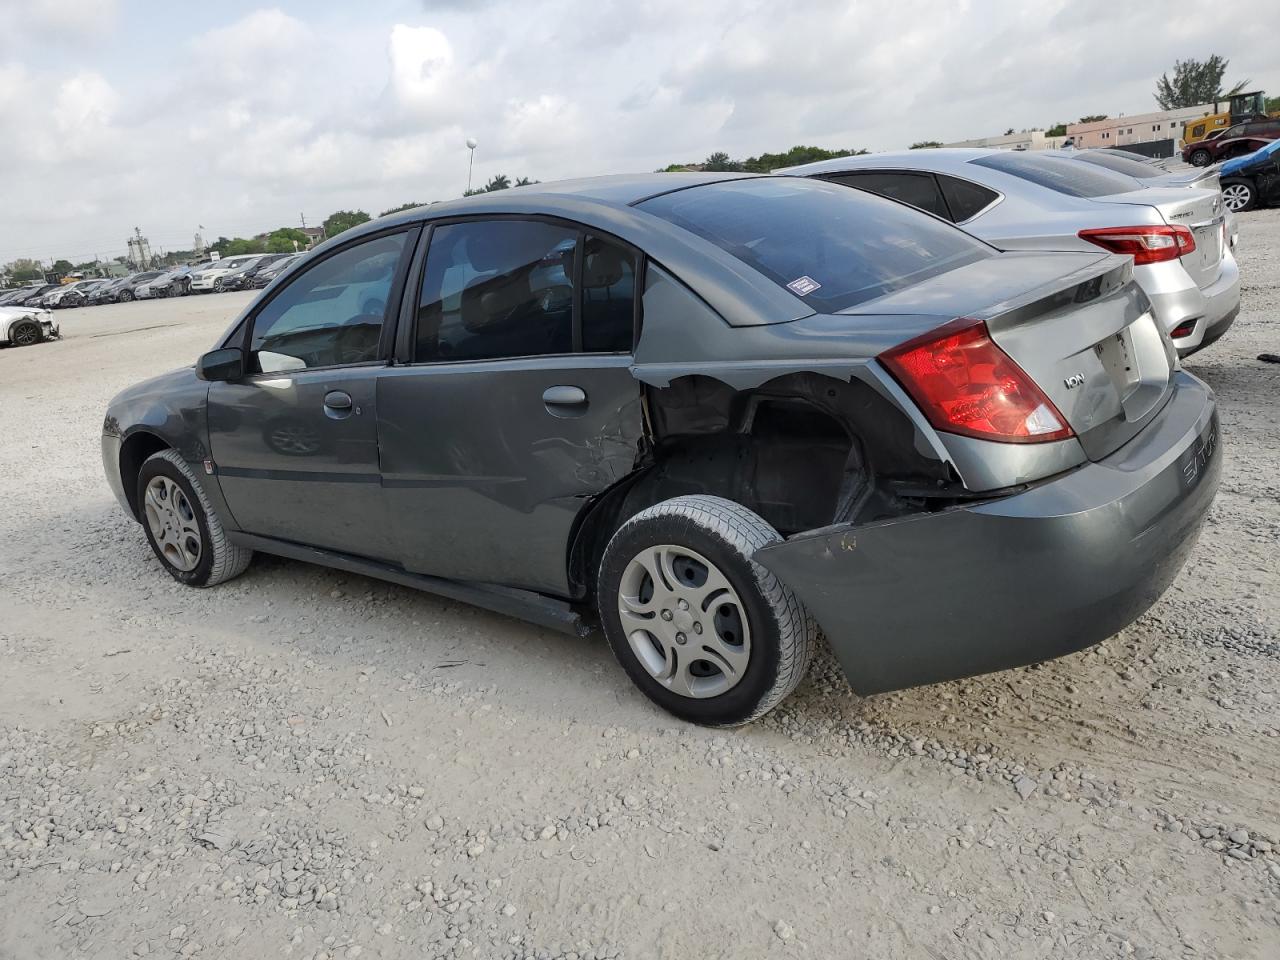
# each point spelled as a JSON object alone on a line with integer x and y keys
{"x": 471, "y": 145}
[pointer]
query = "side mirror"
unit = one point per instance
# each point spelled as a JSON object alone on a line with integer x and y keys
{"x": 218, "y": 365}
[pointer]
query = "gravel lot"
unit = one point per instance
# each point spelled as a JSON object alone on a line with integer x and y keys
{"x": 308, "y": 764}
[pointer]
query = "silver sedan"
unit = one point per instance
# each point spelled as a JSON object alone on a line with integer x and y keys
{"x": 1178, "y": 237}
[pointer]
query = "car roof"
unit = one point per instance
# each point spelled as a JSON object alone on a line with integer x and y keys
{"x": 932, "y": 158}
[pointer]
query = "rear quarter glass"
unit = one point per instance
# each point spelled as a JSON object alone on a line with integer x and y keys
{"x": 832, "y": 246}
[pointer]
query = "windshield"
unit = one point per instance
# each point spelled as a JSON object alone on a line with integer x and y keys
{"x": 1061, "y": 174}
{"x": 830, "y": 246}
{"x": 1239, "y": 163}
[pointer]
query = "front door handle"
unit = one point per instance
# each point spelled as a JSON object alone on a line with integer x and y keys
{"x": 565, "y": 401}
{"x": 337, "y": 404}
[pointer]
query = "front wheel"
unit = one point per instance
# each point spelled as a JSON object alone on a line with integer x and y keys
{"x": 125, "y": 296}
{"x": 25, "y": 334}
{"x": 184, "y": 532}
{"x": 1199, "y": 158}
{"x": 701, "y": 628}
{"x": 1238, "y": 196}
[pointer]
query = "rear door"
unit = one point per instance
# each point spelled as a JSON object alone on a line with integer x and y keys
{"x": 296, "y": 440}
{"x": 517, "y": 403}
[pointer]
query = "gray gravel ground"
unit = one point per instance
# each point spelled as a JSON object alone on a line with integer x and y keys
{"x": 307, "y": 764}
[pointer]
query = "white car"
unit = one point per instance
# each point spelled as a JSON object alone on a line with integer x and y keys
{"x": 23, "y": 326}
{"x": 204, "y": 281}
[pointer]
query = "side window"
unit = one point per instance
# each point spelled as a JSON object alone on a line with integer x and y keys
{"x": 918, "y": 189}
{"x": 966, "y": 198}
{"x": 497, "y": 288}
{"x": 608, "y": 296}
{"x": 331, "y": 314}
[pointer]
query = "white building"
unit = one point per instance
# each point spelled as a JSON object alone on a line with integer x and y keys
{"x": 1028, "y": 140}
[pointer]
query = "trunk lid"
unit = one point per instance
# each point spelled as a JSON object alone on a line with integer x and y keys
{"x": 1201, "y": 211}
{"x": 1078, "y": 325}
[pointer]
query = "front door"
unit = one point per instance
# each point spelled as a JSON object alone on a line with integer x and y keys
{"x": 295, "y": 442}
{"x": 519, "y": 405}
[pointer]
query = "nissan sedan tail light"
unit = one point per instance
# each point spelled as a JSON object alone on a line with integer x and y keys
{"x": 1147, "y": 244}
{"x": 966, "y": 384}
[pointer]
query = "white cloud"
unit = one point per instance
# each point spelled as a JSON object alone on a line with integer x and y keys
{"x": 243, "y": 120}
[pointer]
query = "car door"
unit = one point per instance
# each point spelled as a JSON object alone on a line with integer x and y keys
{"x": 1268, "y": 180}
{"x": 516, "y": 404}
{"x": 295, "y": 442}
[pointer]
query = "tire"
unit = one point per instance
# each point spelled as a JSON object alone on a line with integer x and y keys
{"x": 764, "y": 636}
{"x": 1238, "y": 196}
{"x": 217, "y": 559}
{"x": 125, "y": 296}
{"x": 1200, "y": 158}
{"x": 25, "y": 334}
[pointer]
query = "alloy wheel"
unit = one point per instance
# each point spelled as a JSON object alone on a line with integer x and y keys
{"x": 1236, "y": 196}
{"x": 25, "y": 335}
{"x": 684, "y": 621}
{"x": 173, "y": 524}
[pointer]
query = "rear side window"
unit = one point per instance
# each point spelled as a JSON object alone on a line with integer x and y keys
{"x": 918, "y": 189}
{"x": 497, "y": 288}
{"x": 1063, "y": 175}
{"x": 965, "y": 198}
{"x": 830, "y": 246}
{"x": 608, "y": 296}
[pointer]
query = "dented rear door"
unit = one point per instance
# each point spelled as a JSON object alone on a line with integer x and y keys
{"x": 486, "y": 464}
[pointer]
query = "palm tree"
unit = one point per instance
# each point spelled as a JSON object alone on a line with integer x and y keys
{"x": 500, "y": 182}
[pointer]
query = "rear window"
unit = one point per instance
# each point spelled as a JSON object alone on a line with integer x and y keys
{"x": 831, "y": 246}
{"x": 1061, "y": 174}
{"x": 1109, "y": 161}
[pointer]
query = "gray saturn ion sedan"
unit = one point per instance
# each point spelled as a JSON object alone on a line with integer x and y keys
{"x": 1178, "y": 237}
{"x": 716, "y": 414}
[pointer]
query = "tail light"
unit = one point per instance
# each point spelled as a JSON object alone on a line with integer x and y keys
{"x": 966, "y": 384}
{"x": 1153, "y": 244}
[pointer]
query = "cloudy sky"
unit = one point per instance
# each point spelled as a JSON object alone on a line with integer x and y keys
{"x": 243, "y": 116}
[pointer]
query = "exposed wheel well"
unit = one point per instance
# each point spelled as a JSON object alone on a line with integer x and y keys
{"x": 803, "y": 451}
{"x": 133, "y": 453}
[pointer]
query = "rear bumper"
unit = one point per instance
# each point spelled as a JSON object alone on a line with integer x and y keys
{"x": 1210, "y": 311}
{"x": 1008, "y": 582}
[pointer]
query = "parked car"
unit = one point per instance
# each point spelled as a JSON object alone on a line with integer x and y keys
{"x": 265, "y": 274}
{"x": 241, "y": 277}
{"x": 124, "y": 291}
{"x": 1134, "y": 165}
{"x": 205, "y": 280}
{"x": 1252, "y": 180}
{"x": 26, "y": 295}
{"x": 108, "y": 291}
{"x": 167, "y": 284}
{"x": 1237, "y": 140}
{"x": 64, "y": 295}
{"x": 717, "y": 412}
{"x": 1026, "y": 201}
{"x": 24, "y": 326}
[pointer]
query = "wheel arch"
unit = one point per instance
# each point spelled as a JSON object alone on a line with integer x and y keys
{"x": 134, "y": 451}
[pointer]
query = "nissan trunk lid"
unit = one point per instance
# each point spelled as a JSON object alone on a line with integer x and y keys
{"x": 1200, "y": 211}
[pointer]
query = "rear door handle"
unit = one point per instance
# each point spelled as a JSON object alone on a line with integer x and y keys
{"x": 565, "y": 401}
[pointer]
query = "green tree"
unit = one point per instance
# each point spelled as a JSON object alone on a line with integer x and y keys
{"x": 283, "y": 240}
{"x": 500, "y": 182}
{"x": 1057, "y": 130}
{"x": 1194, "y": 82}
{"x": 404, "y": 206}
{"x": 794, "y": 157}
{"x": 523, "y": 182}
{"x": 1093, "y": 118}
{"x": 1273, "y": 105}
{"x": 926, "y": 144}
{"x": 24, "y": 270}
{"x": 719, "y": 162}
{"x": 341, "y": 220}
{"x": 62, "y": 267}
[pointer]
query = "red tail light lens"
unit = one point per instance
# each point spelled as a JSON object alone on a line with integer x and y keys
{"x": 966, "y": 384}
{"x": 1152, "y": 244}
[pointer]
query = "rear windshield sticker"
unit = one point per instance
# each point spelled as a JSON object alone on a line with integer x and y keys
{"x": 803, "y": 286}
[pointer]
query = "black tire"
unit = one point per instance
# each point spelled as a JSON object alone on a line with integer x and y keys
{"x": 783, "y": 634}
{"x": 25, "y": 334}
{"x": 125, "y": 296}
{"x": 1200, "y": 158}
{"x": 1232, "y": 190}
{"x": 220, "y": 560}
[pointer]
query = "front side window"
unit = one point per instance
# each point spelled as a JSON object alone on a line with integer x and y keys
{"x": 331, "y": 314}
{"x": 831, "y": 246}
{"x": 918, "y": 189}
{"x": 1060, "y": 174}
{"x": 497, "y": 288}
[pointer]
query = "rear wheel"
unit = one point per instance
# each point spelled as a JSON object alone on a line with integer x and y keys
{"x": 25, "y": 334}
{"x": 701, "y": 628}
{"x": 184, "y": 532}
{"x": 1199, "y": 158}
{"x": 1238, "y": 196}
{"x": 125, "y": 296}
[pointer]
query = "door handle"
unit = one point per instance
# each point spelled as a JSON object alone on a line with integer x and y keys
{"x": 337, "y": 404}
{"x": 565, "y": 401}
